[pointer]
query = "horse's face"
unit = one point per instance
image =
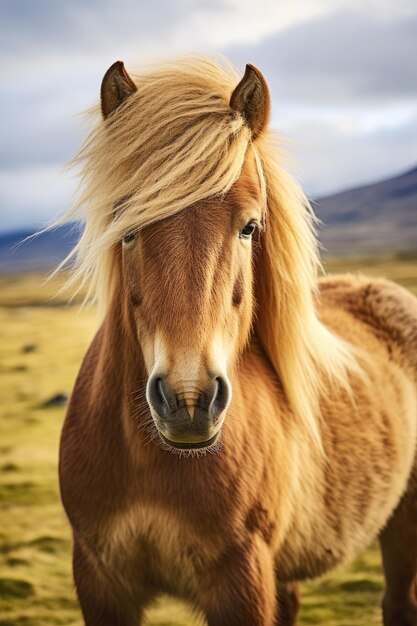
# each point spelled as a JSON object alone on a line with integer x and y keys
{"x": 188, "y": 280}
{"x": 189, "y": 284}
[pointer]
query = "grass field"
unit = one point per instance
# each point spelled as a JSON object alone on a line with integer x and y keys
{"x": 42, "y": 342}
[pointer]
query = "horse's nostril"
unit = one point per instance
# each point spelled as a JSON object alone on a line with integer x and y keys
{"x": 221, "y": 397}
{"x": 158, "y": 396}
{"x": 160, "y": 391}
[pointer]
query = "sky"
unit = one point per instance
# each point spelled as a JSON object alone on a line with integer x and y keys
{"x": 341, "y": 73}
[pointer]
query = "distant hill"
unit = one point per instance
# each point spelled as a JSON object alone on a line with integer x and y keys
{"x": 376, "y": 218}
{"x": 43, "y": 252}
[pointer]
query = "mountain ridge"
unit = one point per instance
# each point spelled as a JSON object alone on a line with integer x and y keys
{"x": 371, "y": 218}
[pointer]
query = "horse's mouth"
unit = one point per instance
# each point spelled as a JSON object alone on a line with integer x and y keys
{"x": 190, "y": 445}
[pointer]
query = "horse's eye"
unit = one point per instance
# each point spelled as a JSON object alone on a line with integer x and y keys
{"x": 129, "y": 238}
{"x": 247, "y": 231}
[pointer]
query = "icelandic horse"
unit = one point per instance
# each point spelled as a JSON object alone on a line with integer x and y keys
{"x": 238, "y": 423}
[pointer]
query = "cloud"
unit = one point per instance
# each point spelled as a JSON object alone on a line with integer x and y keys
{"x": 41, "y": 122}
{"x": 344, "y": 93}
{"x": 36, "y": 27}
{"x": 329, "y": 158}
{"x": 33, "y": 27}
{"x": 29, "y": 197}
{"x": 341, "y": 76}
{"x": 339, "y": 58}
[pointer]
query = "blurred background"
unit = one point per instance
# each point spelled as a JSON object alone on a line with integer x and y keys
{"x": 344, "y": 99}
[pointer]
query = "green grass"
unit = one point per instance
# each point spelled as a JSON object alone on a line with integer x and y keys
{"x": 41, "y": 344}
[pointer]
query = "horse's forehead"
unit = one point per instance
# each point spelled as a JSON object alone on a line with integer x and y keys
{"x": 199, "y": 226}
{"x": 211, "y": 217}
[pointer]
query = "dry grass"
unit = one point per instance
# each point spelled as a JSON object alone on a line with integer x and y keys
{"x": 42, "y": 343}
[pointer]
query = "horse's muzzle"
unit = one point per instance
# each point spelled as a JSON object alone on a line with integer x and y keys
{"x": 188, "y": 420}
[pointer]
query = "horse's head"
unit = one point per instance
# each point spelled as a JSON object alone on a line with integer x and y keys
{"x": 189, "y": 280}
{"x": 189, "y": 283}
{"x": 178, "y": 181}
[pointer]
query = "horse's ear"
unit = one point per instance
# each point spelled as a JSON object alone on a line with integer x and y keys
{"x": 251, "y": 99}
{"x": 116, "y": 86}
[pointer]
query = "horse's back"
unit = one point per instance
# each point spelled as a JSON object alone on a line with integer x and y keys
{"x": 387, "y": 313}
{"x": 380, "y": 318}
{"x": 369, "y": 437}
{"x": 386, "y": 310}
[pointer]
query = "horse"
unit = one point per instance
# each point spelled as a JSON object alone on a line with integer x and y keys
{"x": 239, "y": 423}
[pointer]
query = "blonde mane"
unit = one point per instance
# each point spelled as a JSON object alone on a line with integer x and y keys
{"x": 173, "y": 143}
